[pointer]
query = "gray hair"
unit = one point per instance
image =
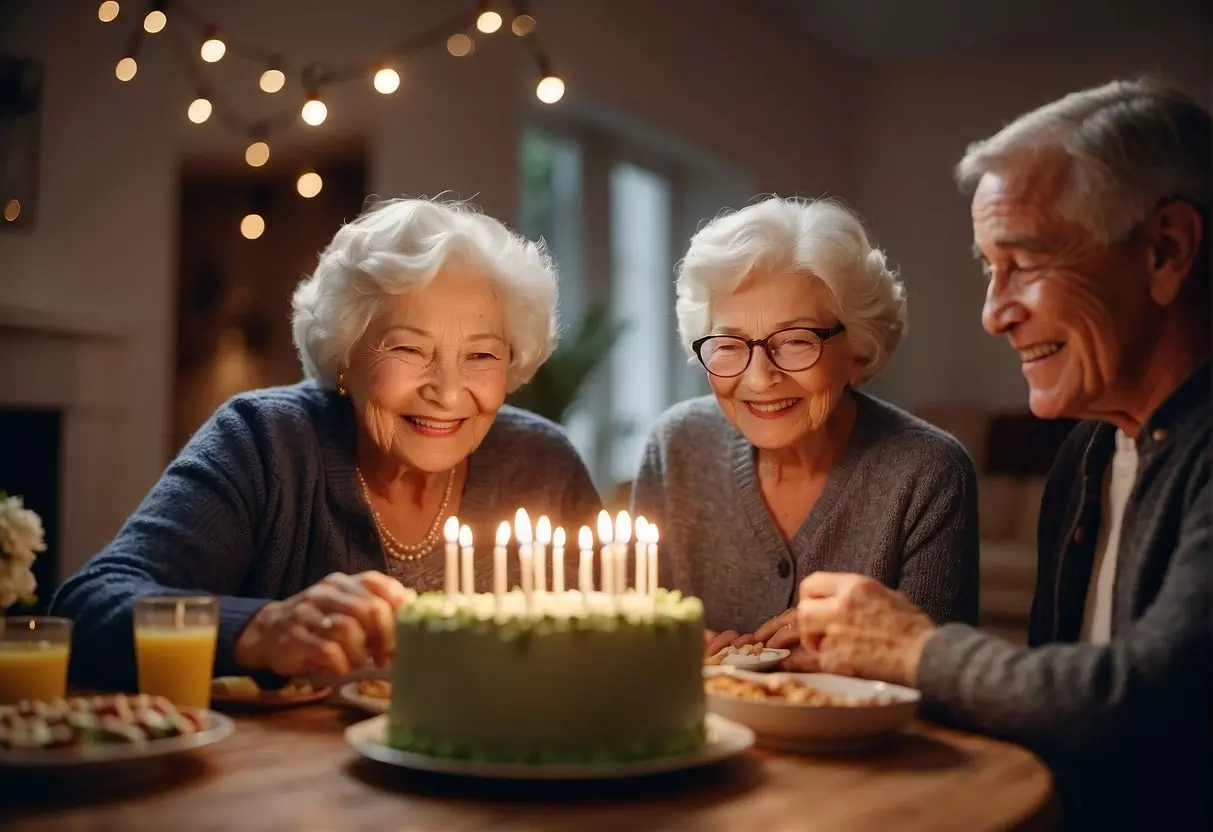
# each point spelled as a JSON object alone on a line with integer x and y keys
{"x": 821, "y": 239}
{"x": 1132, "y": 145}
{"x": 399, "y": 246}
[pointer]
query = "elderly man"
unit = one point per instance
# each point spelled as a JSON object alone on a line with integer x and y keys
{"x": 1091, "y": 221}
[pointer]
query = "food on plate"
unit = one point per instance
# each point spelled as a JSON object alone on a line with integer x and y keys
{"x": 549, "y": 682}
{"x": 79, "y": 721}
{"x": 375, "y": 688}
{"x": 745, "y": 650}
{"x": 790, "y": 691}
{"x": 244, "y": 687}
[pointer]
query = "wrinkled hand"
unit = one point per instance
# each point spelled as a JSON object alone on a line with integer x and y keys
{"x": 328, "y": 629}
{"x": 780, "y": 632}
{"x": 860, "y": 627}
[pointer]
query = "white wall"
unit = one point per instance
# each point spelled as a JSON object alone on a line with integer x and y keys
{"x": 714, "y": 72}
{"x": 917, "y": 117}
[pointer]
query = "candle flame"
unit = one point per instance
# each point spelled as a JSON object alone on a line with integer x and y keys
{"x": 558, "y": 537}
{"x": 465, "y": 537}
{"x": 522, "y": 526}
{"x": 623, "y": 527}
{"x": 585, "y": 538}
{"x": 451, "y": 530}
{"x": 503, "y": 533}
{"x": 605, "y": 532}
{"x": 641, "y": 526}
{"x": 543, "y": 530}
{"x": 653, "y": 533}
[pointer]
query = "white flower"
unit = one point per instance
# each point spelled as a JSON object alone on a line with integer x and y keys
{"x": 21, "y": 539}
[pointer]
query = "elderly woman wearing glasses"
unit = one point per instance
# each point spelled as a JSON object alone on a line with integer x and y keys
{"x": 789, "y": 469}
{"x": 309, "y": 509}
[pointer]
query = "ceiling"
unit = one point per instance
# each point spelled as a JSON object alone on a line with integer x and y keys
{"x": 884, "y": 29}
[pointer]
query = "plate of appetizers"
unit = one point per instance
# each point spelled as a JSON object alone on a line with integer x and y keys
{"x": 88, "y": 730}
{"x": 371, "y": 695}
{"x": 748, "y": 657}
{"x": 244, "y": 693}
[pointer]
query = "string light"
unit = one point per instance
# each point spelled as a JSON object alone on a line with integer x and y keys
{"x": 488, "y": 21}
{"x": 272, "y": 80}
{"x": 550, "y": 88}
{"x": 309, "y": 184}
{"x": 387, "y": 80}
{"x": 522, "y": 25}
{"x": 107, "y": 12}
{"x": 252, "y": 226}
{"x": 314, "y": 111}
{"x": 257, "y": 154}
{"x": 200, "y": 109}
{"x": 460, "y": 45}
{"x": 12, "y": 210}
{"x": 213, "y": 48}
{"x": 155, "y": 21}
{"x": 126, "y": 69}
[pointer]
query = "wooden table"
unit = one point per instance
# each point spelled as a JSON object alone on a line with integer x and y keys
{"x": 291, "y": 770}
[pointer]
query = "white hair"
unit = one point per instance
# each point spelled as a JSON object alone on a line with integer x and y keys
{"x": 821, "y": 239}
{"x": 399, "y": 246}
{"x": 1131, "y": 145}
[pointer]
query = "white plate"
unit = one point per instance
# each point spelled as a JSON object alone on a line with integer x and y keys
{"x": 370, "y": 704}
{"x": 725, "y": 739}
{"x": 268, "y": 700}
{"x": 218, "y": 727}
{"x": 768, "y": 658}
{"x": 812, "y": 727}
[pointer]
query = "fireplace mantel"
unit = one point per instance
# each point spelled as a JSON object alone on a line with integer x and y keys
{"x": 75, "y": 362}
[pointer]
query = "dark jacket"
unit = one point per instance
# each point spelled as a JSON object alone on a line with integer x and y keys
{"x": 1127, "y": 727}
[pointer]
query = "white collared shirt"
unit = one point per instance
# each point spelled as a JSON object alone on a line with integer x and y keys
{"x": 1117, "y": 483}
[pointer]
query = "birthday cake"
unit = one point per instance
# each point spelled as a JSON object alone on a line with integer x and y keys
{"x": 557, "y": 678}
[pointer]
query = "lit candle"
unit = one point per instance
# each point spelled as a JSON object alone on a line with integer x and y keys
{"x": 642, "y": 551}
{"x": 558, "y": 561}
{"x": 653, "y": 536}
{"x": 623, "y": 536}
{"x": 585, "y": 573}
{"x": 522, "y": 531}
{"x": 606, "y": 540}
{"x": 499, "y": 568}
{"x": 543, "y": 536}
{"x": 465, "y": 541}
{"x": 451, "y": 532}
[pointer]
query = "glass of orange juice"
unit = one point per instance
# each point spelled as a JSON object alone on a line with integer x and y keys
{"x": 34, "y": 652}
{"x": 175, "y": 647}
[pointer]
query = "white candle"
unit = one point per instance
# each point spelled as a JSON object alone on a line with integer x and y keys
{"x": 499, "y": 568}
{"x": 623, "y": 536}
{"x": 558, "y": 561}
{"x": 465, "y": 544}
{"x": 543, "y": 536}
{"x": 585, "y": 573}
{"x": 451, "y": 532}
{"x": 607, "y": 553}
{"x": 642, "y": 551}
{"x": 522, "y": 531}
{"x": 653, "y": 536}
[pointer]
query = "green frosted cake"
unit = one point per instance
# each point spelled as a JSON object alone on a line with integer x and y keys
{"x": 567, "y": 683}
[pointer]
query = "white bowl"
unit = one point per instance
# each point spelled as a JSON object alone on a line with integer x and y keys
{"x": 813, "y": 727}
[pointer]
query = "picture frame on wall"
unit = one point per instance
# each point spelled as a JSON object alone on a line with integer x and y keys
{"x": 20, "y": 123}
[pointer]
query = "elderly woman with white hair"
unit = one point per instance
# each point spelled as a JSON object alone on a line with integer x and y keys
{"x": 309, "y": 509}
{"x": 789, "y": 469}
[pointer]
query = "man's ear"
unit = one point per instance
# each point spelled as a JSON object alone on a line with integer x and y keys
{"x": 1175, "y": 236}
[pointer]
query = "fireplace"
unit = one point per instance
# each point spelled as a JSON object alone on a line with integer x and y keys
{"x": 30, "y": 441}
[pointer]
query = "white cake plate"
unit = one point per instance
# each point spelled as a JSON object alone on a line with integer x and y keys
{"x": 724, "y": 739}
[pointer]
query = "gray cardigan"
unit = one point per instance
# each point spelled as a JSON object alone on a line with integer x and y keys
{"x": 900, "y": 505}
{"x": 263, "y": 502}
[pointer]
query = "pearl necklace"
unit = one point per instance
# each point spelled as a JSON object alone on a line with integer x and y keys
{"x": 403, "y": 551}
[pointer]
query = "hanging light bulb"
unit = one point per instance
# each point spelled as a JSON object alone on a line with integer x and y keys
{"x": 309, "y": 184}
{"x": 272, "y": 80}
{"x": 213, "y": 48}
{"x": 126, "y": 69}
{"x": 387, "y": 79}
{"x": 460, "y": 45}
{"x": 550, "y": 88}
{"x": 107, "y": 12}
{"x": 155, "y": 21}
{"x": 200, "y": 109}
{"x": 257, "y": 154}
{"x": 488, "y": 21}
{"x": 314, "y": 112}
{"x": 252, "y": 226}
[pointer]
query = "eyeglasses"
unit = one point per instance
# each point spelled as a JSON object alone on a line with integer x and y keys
{"x": 791, "y": 350}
